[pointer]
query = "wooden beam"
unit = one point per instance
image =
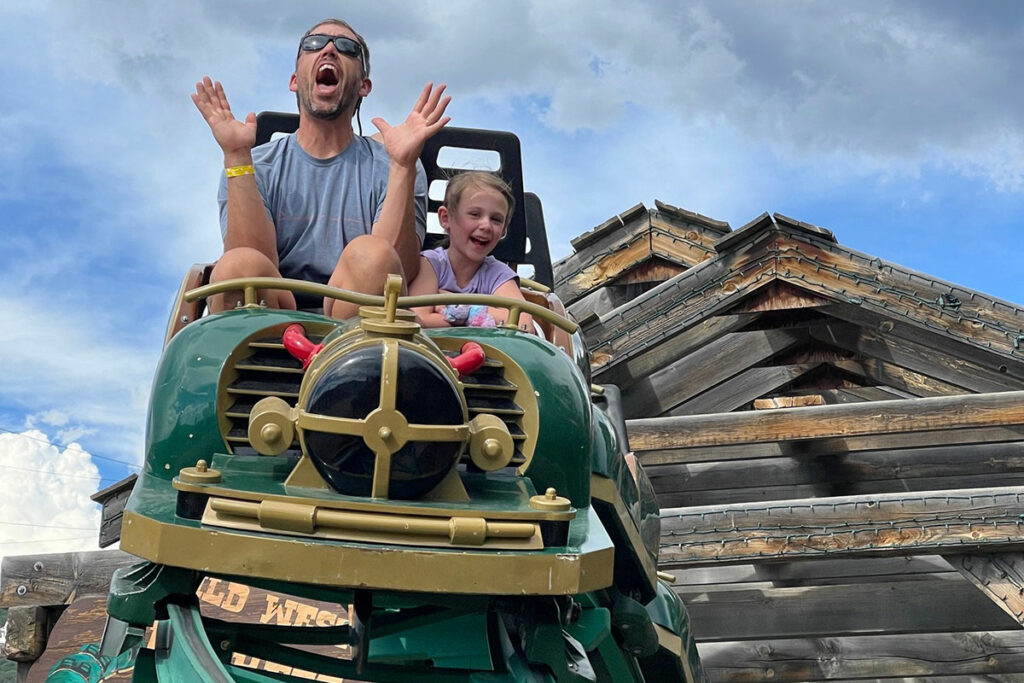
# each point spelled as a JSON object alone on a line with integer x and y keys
{"x": 27, "y": 628}
{"x": 706, "y": 367}
{"x": 995, "y": 459}
{"x": 743, "y": 388}
{"x": 974, "y": 654}
{"x": 766, "y": 491}
{"x": 915, "y": 356}
{"x": 81, "y": 623}
{"x": 814, "y": 572}
{"x": 952, "y": 521}
{"x": 841, "y": 610}
{"x": 910, "y": 298}
{"x": 825, "y": 446}
{"x": 1000, "y": 576}
{"x": 624, "y": 369}
{"x": 972, "y": 348}
{"x": 824, "y": 422}
{"x": 58, "y": 578}
{"x": 888, "y": 374}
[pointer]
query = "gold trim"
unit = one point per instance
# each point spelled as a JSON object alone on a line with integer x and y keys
{"x": 674, "y": 644}
{"x": 317, "y": 289}
{"x": 306, "y": 475}
{"x": 366, "y": 505}
{"x": 312, "y": 522}
{"x": 604, "y": 489}
{"x": 299, "y": 560}
{"x": 524, "y": 395}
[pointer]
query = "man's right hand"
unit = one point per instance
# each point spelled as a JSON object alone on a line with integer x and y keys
{"x": 236, "y": 138}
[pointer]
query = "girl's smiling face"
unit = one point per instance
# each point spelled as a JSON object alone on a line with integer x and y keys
{"x": 477, "y": 222}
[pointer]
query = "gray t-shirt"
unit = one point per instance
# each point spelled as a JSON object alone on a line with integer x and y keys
{"x": 320, "y": 205}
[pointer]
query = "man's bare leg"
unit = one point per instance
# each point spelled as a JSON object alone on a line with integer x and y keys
{"x": 246, "y": 262}
{"x": 364, "y": 267}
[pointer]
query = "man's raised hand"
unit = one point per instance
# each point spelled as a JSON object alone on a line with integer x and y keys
{"x": 404, "y": 142}
{"x": 233, "y": 136}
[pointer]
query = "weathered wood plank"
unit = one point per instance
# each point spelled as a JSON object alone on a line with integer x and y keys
{"x": 781, "y": 296}
{"x": 953, "y": 521}
{"x": 973, "y": 347}
{"x": 27, "y": 627}
{"x": 770, "y": 492}
{"x": 686, "y": 249}
{"x": 995, "y": 460}
{"x": 823, "y": 422}
{"x": 704, "y": 368}
{"x": 58, "y": 578}
{"x": 838, "y": 610}
{"x": 698, "y": 294}
{"x": 589, "y": 308}
{"x": 830, "y": 446}
{"x": 821, "y": 572}
{"x": 915, "y": 356}
{"x": 973, "y": 654}
{"x": 892, "y": 375}
{"x": 1000, "y": 576}
{"x": 742, "y": 389}
{"x": 623, "y": 370}
{"x": 900, "y": 293}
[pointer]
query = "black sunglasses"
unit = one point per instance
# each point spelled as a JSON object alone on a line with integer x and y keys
{"x": 315, "y": 42}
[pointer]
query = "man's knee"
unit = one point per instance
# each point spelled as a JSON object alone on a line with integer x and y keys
{"x": 370, "y": 254}
{"x": 365, "y": 264}
{"x": 243, "y": 262}
{"x": 364, "y": 267}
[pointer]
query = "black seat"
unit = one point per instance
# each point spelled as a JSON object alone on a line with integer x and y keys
{"x": 526, "y": 241}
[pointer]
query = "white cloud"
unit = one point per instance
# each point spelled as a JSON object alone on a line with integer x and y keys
{"x": 76, "y": 372}
{"x": 44, "y": 496}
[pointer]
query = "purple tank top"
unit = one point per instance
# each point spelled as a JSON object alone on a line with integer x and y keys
{"x": 491, "y": 275}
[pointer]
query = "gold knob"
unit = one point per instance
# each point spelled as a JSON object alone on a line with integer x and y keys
{"x": 384, "y": 433}
{"x": 550, "y": 502}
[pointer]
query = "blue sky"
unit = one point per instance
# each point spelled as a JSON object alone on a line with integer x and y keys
{"x": 897, "y": 125}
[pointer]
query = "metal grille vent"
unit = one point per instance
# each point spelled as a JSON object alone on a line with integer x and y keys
{"x": 267, "y": 369}
{"x": 489, "y": 391}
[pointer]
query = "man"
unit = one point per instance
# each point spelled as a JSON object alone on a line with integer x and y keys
{"x": 324, "y": 204}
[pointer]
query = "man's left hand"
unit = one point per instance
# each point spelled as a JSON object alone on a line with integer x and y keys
{"x": 404, "y": 142}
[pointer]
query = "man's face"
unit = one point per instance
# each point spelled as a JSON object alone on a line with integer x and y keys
{"x": 327, "y": 83}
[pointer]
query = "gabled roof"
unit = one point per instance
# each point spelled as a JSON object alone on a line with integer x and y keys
{"x": 630, "y": 239}
{"x": 860, "y": 288}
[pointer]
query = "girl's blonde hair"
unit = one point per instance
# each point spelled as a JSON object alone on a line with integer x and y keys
{"x": 458, "y": 185}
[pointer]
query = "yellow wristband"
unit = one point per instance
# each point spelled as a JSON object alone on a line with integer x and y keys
{"x": 234, "y": 171}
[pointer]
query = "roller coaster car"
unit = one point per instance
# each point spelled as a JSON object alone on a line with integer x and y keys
{"x": 464, "y": 492}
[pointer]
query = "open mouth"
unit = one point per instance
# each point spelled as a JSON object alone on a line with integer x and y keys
{"x": 480, "y": 242}
{"x": 327, "y": 75}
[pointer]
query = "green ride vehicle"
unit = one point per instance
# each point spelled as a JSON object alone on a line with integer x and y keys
{"x": 465, "y": 493}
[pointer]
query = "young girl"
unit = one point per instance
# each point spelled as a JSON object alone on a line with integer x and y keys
{"x": 475, "y": 213}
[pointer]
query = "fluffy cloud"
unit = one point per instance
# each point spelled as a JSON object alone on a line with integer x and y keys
{"x": 44, "y": 496}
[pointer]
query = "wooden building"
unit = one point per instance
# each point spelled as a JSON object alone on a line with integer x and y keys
{"x": 837, "y": 443}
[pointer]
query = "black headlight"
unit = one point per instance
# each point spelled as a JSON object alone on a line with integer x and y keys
{"x": 350, "y": 387}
